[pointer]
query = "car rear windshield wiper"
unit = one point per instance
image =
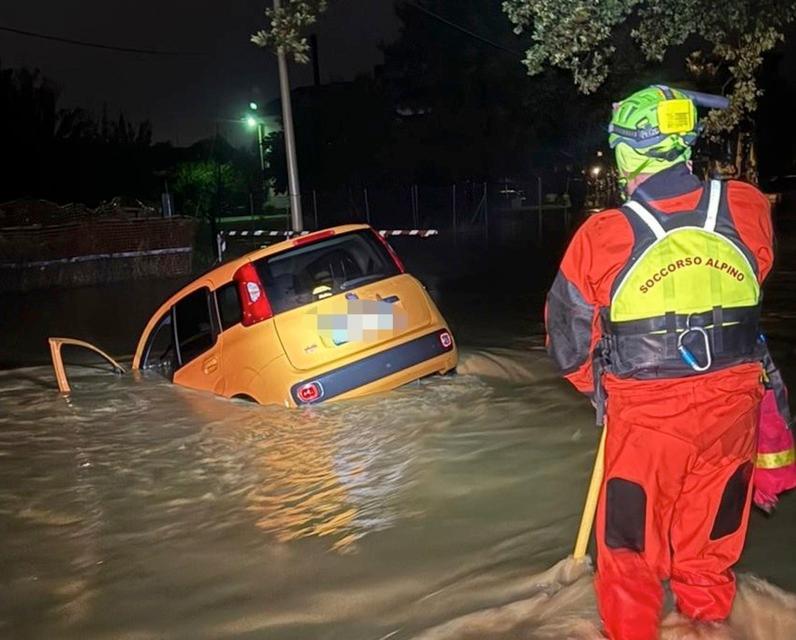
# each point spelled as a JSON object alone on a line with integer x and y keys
{"x": 361, "y": 280}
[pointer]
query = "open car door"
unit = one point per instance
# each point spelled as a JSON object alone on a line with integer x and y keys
{"x": 58, "y": 362}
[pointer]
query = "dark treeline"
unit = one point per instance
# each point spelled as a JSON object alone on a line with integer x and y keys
{"x": 444, "y": 107}
{"x": 73, "y": 155}
{"x": 67, "y": 154}
{"x": 448, "y": 106}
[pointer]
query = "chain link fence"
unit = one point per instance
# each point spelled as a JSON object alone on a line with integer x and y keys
{"x": 503, "y": 216}
{"x": 462, "y": 209}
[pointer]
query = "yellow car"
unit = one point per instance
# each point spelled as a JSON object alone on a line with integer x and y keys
{"x": 329, "y": 315}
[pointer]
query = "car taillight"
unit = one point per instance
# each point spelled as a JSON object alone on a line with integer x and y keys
{"x": 391, "y": 251}
{"x": 254, "y": 303}
{"x": 310, "y": 392}
{"x": 446, "y": 340}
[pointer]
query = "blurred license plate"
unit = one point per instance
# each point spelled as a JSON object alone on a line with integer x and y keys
{"x": 363, "y": 321}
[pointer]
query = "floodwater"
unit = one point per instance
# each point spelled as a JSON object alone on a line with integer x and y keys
{"x": 444, "y": 510}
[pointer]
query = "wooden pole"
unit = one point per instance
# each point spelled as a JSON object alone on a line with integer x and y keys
{"x": 590, "y": 508}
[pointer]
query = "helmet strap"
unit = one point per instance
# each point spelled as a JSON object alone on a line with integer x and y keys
{"x": 671, "y": 154}
{"x": 630, "y": 176}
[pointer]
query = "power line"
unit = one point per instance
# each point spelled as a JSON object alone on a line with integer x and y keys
{"x": 160, "y": 52}
{"x": 97, "y": 45}
{"x": 464, "y": 30}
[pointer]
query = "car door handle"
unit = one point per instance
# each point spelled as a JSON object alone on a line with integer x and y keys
{"x": 210, "y": 365}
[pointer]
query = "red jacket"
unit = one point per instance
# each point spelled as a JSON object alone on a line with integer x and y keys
{"x": 601, "y": 248}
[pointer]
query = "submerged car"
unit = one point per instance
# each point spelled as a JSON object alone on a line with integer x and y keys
{"x": 328, "y": 315}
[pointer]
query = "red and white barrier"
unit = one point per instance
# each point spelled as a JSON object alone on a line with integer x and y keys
{"x": 417, "y": 233}
{"x": 270, "y": 233}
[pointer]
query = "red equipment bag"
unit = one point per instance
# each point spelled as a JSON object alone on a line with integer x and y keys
{"x": 775, "y": 468}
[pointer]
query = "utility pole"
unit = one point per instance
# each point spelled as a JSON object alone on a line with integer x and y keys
{"x": 253, "y": 120}
{"x": 260, "y": 147}
{"x": 296, "y": 218}
{"x": 214, "y": 214}
{"x": 260, "y": 144}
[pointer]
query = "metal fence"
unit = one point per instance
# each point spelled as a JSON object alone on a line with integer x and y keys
{"x": 505, "y": 211}
{"x": 89, "y": 250}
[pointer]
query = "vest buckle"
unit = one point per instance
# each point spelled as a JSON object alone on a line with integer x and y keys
{"x": 685, "y": 353}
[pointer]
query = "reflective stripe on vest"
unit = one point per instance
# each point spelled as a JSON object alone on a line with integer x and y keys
{"x": 686, "y": 270}
{"x": 775, "y": 460}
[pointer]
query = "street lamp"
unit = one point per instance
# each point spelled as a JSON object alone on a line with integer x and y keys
{"x": 253, "y": 121}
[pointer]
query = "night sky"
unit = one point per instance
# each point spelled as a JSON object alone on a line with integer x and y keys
{"x": 184, "y": 96}
{"x": 187, "y": 96}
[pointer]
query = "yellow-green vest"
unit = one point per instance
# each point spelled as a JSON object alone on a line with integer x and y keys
{"x": 688, "y": 299}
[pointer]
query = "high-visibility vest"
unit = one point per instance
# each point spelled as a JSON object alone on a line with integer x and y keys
{"x": 688, "y": 299}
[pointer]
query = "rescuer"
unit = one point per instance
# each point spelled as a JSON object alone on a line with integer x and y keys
{"x": 654, "y": 314}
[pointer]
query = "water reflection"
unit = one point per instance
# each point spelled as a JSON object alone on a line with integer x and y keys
{"x": 335, "y": 472}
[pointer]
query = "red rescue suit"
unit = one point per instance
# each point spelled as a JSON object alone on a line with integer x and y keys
{"x": 680, "y": 450}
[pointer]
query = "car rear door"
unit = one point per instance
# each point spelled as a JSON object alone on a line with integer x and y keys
{"x": 198, "y": 341}
{"x": 341, "y": 297}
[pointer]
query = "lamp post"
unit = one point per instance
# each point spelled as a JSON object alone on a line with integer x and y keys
{"x": 252, "y": 121}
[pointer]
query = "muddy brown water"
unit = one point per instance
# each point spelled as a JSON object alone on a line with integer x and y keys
{"x": 136, "y": 509}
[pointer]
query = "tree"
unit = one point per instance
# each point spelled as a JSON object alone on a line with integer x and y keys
{"x": 732, "y": 36}
{"x": 463, "y": 106}
{"x": 66, "y": 153}
{"x": 206, "y": 188}
{"x": 466, "y": 107}
{"x": 286, "y": 25}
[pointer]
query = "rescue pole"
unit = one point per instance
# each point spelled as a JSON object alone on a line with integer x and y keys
{"x": 590, "y": 508}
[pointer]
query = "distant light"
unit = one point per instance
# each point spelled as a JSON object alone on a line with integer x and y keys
{"x": 599, "y": 154}
{"x": 595, "y": 171}
{"x": 253, "y": 106}
{"x": 251, "y": 122}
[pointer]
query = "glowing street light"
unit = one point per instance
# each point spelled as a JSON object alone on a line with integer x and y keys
{"x": 253, "y": 121}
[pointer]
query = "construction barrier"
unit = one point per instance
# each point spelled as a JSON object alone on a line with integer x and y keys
{"x": 89, "y": 250}
{"x": 221, "y": 244}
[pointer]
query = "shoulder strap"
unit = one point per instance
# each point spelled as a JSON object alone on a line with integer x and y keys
{"x": 648, "y": 218}
{"x": 713, "y": 205}
{"x": 713, "y": 188}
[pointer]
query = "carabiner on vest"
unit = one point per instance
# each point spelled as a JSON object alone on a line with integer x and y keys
{"x": 685, "y": 352}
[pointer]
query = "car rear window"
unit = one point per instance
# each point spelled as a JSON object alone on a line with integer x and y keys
{"x": 311, "y": 272}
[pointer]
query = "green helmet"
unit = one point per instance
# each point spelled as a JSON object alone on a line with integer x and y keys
{"x": 652, "y": 130}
